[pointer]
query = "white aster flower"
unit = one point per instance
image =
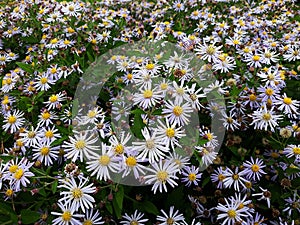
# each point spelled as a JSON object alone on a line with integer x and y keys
{"x": 78, "y": 195}
{"x": 80, "y": 146}
{"x": 67, "y": 216}
{"x": 161, "y": 174}
{"x": 102, "y": 165}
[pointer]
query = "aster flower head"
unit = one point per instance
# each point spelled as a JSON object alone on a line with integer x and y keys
{"x": 68, "y": 215}
{"x": 264, "y": 195}
{"x": 191, "y": 175}
{"x": 134, "y": 219}
{"x": 230, "y": 213}
{"x": 77, "y": 194}
{"x": 172, "y": 218}
{"x": 13, "y": 121}
{"x": 104, "y": 164}
{"x": 264, "y": 119}
{"x": 254, "y": 169}
{"x": 80, "y": 146}
{"x": 162, "y": 173}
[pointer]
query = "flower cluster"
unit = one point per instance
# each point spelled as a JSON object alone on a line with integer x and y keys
{"x": 156, "y": 123}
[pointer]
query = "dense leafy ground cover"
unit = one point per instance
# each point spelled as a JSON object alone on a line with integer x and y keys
{"x": 234, "y": 64}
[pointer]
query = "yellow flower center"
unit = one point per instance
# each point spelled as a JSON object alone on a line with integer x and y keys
{"x": 77, "y": 193}
{"x": 13, "y": 168}
{"x": 87, "y": 222}
{"x": 9, "y": 192}
{"x": 19, "y": 143}
{"x": 148, "y": 94}
{"x": 70, "y": 30}
{"x": 46, "y": 115}
{"x": 192, "y": 176}
{"x": 44, "y": 80}
{"x": 104, "y": 160}
{"x": 53, "y": 98}
{"x": 296, "y": 128}
{"x": 162, "y": 176}
{"x": 287, "y": 100}
{"x": 134, "y": 222}
{"x": 66, "y": 216}
{"x": 92, "y": 114}
{"x": 241, "y": 205}
{"x": 271, "y": 76}
{"x": 66, "y": 42}
{"x": 223, "y": 57}
{"x": 193, "y": 97}
{"x": 53, "y": 70}
{"x": 170, "y": 132}
{"x": 163, "y": 86}
{"x": 170, "y": 221}
{"x": 248, "y": 185}
{"x": 195, "y": 13}
{"x": 231, "y": 213}
{"x": 45, "y": 150}
{"x": 8, "y": 81}
{"x": 269, "y": 91}
{"x": 296, "y": 150}
{"x": 150, "y": 66}
{"x": 274, "y": 155}
{"x": 54, "y": 41}
{"x": 246, "y": 50}
{"x": 267, "y": 116}
{"x": 235, "y": 176}
{"x": 229, "y": 120}
{"x": 268, "y": 55}
{"x": 80, "y": 144}
{"x": 236, "y": 42}
{"x": 5, "y": 100}
{"x": 256, "y": 58}
{"x": 180, "y": 91}
{"x": 177, "y": 110}
{"x": 119, "y": 149}
{"x": 12, "y": 119}
{"x": 71, "y": 8}
{"x": 49, "y": 134}
{"x": 31, "y": 134}
{"x": 131, "y": 161}
{"x": 209, "y": 136}
{"x": 19, "y": 174}
{"x": 129, "y": 76}
{"x": 210, "y": 50}
{"x": 255, "y": 168}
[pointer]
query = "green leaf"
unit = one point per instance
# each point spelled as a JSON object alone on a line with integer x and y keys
{"x": 40, "y": 94}
{"x": 149, "y": 207}
{"x": 90, "y": 57}
{"x": 42, "y": 192}
{"x": 29, "y": 217}
{"x": 8, "y": 212}
{"x": 117, "y": 209}
{"x": 119, "y": 196}
{"x": 30, "y": 109}
{"x": 109, "y": 207}
{"x": 157, "y": 112}
{"x": 30, "y": 40}
{"x": 26, "y": 67}
{"x": 138, "y": 125}
{"x": 54, "y": 186}
{"x": 205, "y": 181}
{"x": 75, "y": 108}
